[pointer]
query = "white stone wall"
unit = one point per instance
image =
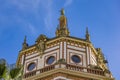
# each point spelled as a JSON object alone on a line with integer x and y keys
{"x": 93, "y": 58}
{"x": 64, "y": 50}
{"x": 88, "y": 55}
{"x": 73, "y": 50}
{"x": 41, "y": 61}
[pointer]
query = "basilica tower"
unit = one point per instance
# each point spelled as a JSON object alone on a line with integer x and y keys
{"x": 63, "y": 57}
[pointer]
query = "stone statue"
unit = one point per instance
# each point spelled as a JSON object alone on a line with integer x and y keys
{"x": 42, "y": 45}
{"x": 62, "y": 20}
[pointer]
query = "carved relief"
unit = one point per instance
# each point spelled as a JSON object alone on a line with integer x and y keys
{"x": 41, "y": 44}
{"x": 41, "y": 47}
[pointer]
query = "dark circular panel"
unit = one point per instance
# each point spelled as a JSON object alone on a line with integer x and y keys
{"x": 31, "y": 66}
{"x": 76, "y": 59}
{"x": 50, "y": 60}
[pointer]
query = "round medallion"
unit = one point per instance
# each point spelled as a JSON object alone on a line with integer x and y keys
{"x": 50, "y": 60}
{"x": 76, "y": 59}
{"x": 31, "y": 66}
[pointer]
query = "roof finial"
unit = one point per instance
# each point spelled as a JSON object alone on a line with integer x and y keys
{"x": 25, "y": 45}
{"x": 87, "y": 34}
{"x": 25, "y": 39}
{"x": 62, "y": 11}
{"x": 87, "y": 30}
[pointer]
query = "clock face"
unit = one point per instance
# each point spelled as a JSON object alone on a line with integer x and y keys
{"x": 76, "y": 59}
{"x": 50, "y": 60}
{"x": 31, "y": 66}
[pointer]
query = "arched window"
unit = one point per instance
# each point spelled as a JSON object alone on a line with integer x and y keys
{"x": 76, "y": 59}
{"x": 31, "y": 66}
{"x": 50, "y": 60}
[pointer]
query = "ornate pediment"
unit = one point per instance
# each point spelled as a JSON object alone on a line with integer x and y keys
{"x": 41, "y": 38}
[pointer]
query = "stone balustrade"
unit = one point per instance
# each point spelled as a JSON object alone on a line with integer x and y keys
{"x": 85, "y": 69}
{"x": 65, "y": 66}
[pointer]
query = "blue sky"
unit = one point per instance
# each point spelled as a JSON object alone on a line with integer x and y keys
{"x": 34, "y": 17}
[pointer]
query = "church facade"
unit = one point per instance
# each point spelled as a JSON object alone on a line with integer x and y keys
{"x": 63, "y": 57}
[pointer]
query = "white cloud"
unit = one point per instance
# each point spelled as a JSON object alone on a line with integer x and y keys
{"x": 26, "y": 4}
{"x": 68, "y": 2}
{"x": 48, "y": 15}
{"x": 32, "y": 7}
{"x": 27, "y": 26}
{"x": 46, "y": 5}
{"x": 32, "y": 29}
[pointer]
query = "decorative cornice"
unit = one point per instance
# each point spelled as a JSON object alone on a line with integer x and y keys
{"x": 52, "y": 42}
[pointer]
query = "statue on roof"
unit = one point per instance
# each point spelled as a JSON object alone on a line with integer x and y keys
{"x": 62, "y": 29}
{"x": 62, "y": 11}
{"x": 62, "y": 19}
